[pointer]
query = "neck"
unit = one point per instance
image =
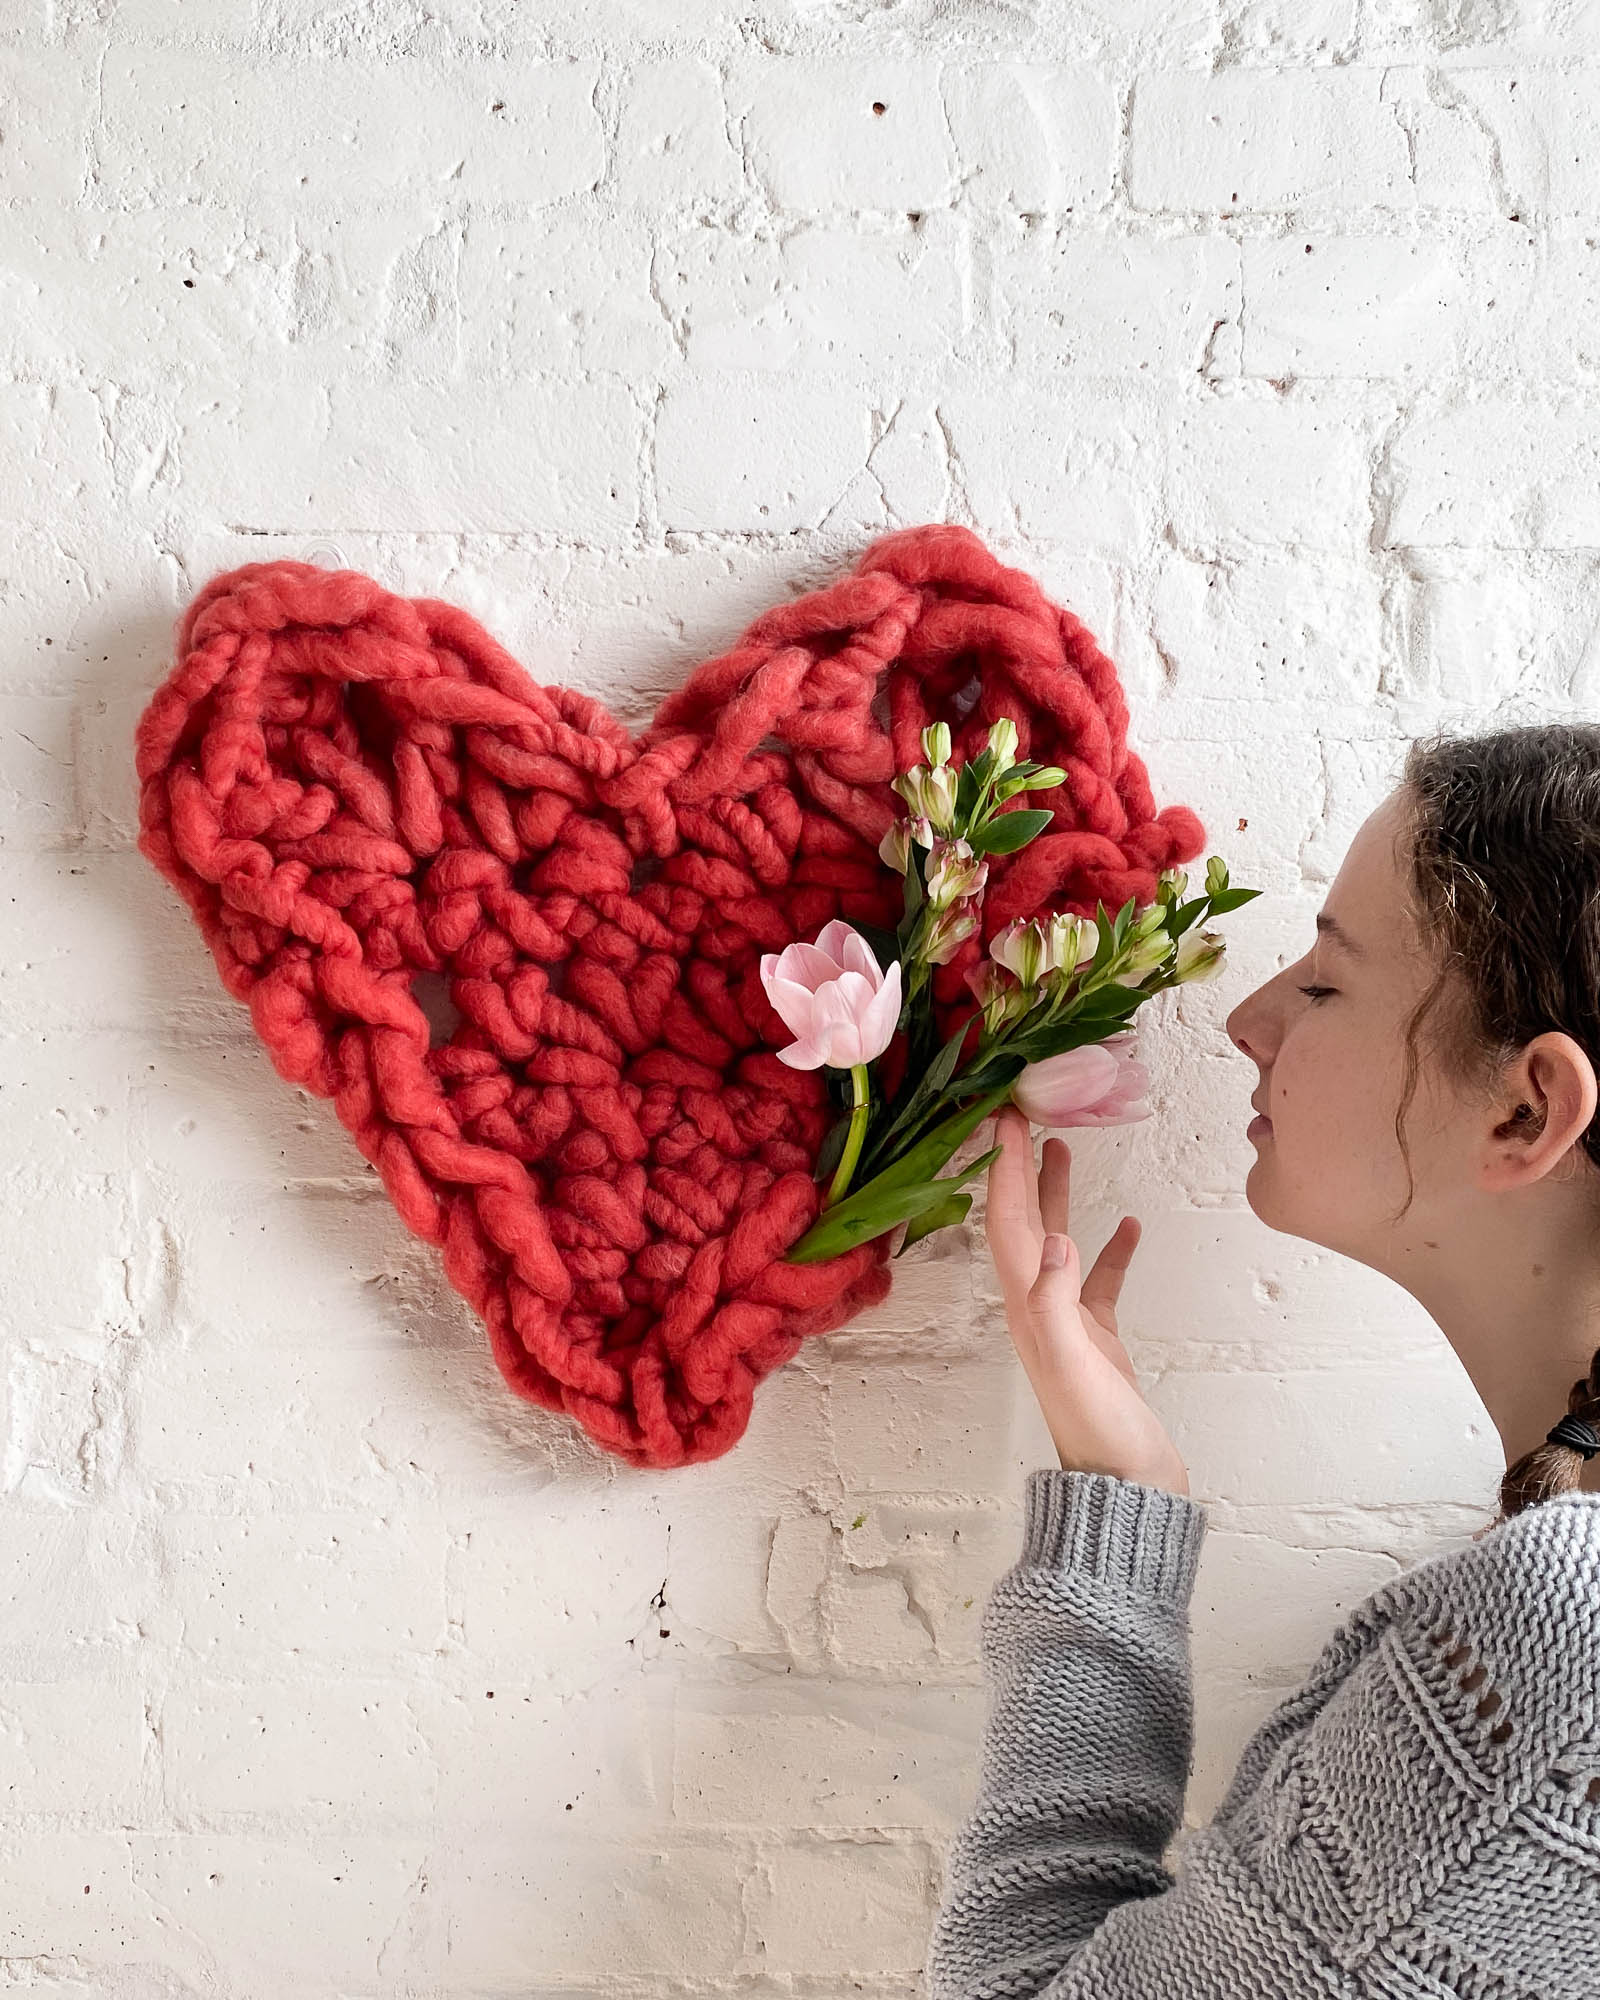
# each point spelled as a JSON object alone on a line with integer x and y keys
{"x": 1514, "y": 1286}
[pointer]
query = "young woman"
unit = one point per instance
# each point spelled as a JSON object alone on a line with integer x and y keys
{"x": 1421, "y": 1819}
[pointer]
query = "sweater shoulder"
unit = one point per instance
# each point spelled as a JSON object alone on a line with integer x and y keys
{"x": 1496, "y": 1641}
{"x": 1510, "y": 1629}
{"x": 1441, "y": 1766}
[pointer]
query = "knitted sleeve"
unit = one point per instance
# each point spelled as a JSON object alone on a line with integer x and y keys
{"x": 1088, "y": 1736}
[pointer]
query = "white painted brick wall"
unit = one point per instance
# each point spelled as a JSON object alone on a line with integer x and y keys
{"x": 1264, "y": 332}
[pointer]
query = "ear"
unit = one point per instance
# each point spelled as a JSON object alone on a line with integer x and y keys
{"x": 1540, "y": 1112}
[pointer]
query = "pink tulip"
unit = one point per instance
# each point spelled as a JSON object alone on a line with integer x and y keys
{"x": 1100, "y": 1084}
{"x": 834, "y": 996}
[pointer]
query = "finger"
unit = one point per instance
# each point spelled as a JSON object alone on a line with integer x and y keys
{"x": 1021, "y": 1135}
{"x": 1061, "y": 1324}
{"x": 1052, "y": 1327}
{"x": 1011, "y": 1203}
{"x": 1055, "y": 1186}
{"x": 1103, "y": 1286}
{"x": 1056, "y": 1283}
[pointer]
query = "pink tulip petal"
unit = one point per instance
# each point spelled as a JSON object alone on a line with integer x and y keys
{"x": 836, "y": 1028}
{"x": 1127, "y": 1113}
{"x": 794, "y": 1005}
{"x": 834, "y": 939}
{"x": 1047, "y": 1091}
{"x": 1135, "y": 1078}
{"x": 856, "y": 955}
{"x": 807, "y": 966}
{"x": 833, "y": 996}
{"x": 833, "y": 1025}
{"x": 882, "y": 1015}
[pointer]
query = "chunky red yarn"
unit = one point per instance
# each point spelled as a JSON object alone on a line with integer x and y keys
{"x": 351, "y": 788}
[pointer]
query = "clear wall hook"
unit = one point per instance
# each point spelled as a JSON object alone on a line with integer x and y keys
{"x": 329, "y": 554}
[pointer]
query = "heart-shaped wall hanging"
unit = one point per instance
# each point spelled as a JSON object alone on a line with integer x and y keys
{"x": 352, "y": 789}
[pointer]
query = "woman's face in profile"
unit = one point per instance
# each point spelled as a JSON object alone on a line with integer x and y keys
{"x": 1332, "y": 1066}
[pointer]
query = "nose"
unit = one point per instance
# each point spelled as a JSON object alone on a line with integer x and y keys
{"x": 1251, "y": 1027}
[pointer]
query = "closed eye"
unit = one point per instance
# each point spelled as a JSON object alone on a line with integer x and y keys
{"x": 1315, "y": 993}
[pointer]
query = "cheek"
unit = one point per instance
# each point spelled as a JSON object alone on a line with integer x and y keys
{"x": 1330, "y": 1087}
{"x": 1332, "y": 1171}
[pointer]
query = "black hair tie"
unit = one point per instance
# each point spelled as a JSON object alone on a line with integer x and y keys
{"x": 1576, "y": 1435}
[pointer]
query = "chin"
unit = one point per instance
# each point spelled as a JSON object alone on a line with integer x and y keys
{"x": 1318, "y": 1225}
{"x": 1265, "y": 1201}
{"x": 1255, "y": 1194}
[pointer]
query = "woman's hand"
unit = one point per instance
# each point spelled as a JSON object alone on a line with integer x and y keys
{"x": 1064, "y": 1326}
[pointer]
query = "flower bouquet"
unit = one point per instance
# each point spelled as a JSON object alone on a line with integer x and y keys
{"x": 1054, "y": 997}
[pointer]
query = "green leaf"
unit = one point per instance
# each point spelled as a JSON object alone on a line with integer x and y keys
{"x": 1185, "y": 914}
{"x": 1038, "y": 1044}
{"x": 1008, "y": 832}
{"x": 1020, "y": 779}
{"x": 924, "y": 1159}
{"x": 915, "y": 1167}
{"x": 916, "y": 896}
{"x": 832, "y": 1149}
{"x": 1105, "y": 948}
{"x": 929, "y": 1085}
{"x": 1107, "y": 1002}
{"x": 842, "y": 1227}
{"x": 1231, "y": 899}
{"x": 996, "y": 1065}
{"x": 871, "y": 1211}
{"x": 952, "y": 1209}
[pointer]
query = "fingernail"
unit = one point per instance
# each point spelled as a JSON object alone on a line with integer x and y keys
{"x": 1054, "y": 1253}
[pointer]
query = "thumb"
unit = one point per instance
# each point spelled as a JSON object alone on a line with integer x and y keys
{"x": 1058, "y": 1262}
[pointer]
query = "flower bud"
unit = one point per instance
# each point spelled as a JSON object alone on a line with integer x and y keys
{"x": 936, "y": 743}
{"x": 894, "y": 850}
{"x": 954, "y": 871}
{"x": 1021, "y": 948}
{"x": 997, "y": 993}
{"x": 1045, "y": 777}
{"x": 1216, "y": 875}
{"x": 988, "y": 982}
{"x": 1151, "y": 919}
{"x": 1199, "y": 955}
{"x": 949, "y": 933}
{"x": 1070, "y": 942}
{"x": 1003, "y": 742}
{"x": 1171, "y": 884}
{"x": 1140, "y": 958}
{"x": 930, "y": 793}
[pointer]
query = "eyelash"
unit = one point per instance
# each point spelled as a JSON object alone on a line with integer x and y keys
{"x": 1316, "y": 993}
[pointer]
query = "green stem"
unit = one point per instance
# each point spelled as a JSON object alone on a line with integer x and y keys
{"x": 857, "y": 1132}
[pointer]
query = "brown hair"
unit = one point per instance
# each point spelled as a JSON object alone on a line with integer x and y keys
{"x": 1505, "y": 863}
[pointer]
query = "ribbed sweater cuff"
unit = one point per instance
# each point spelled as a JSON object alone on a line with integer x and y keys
{"x": 1143, "y": 1539}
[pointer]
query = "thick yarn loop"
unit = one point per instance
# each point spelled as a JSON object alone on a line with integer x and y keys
{"x": 351, "y": 789}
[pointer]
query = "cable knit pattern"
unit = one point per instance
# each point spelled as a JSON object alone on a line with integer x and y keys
{"x": 1420, "y": 1820}
{"x": 350, "y": 789}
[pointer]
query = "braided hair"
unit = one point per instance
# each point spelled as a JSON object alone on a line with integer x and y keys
{"x": 1505, "y": 861}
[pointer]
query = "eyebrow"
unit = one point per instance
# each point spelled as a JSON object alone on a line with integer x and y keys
{"x": 1332, "y": 928}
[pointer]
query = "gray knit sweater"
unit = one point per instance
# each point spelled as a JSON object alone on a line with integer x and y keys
{"x": 1419, "y": 1821}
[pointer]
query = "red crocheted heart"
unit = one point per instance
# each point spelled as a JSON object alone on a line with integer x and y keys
{"x": 351, "y": 788}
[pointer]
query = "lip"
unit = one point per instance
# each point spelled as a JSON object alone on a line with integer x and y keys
{"x": 1259, "y": 1127}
